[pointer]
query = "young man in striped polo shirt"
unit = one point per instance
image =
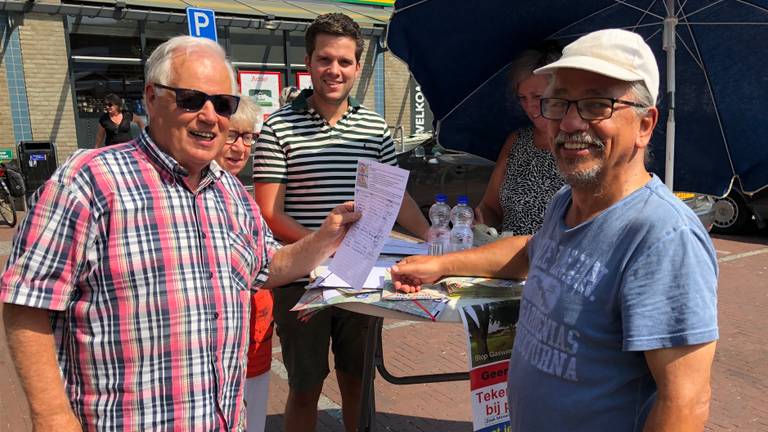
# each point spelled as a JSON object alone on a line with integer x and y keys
{"x": 304, "y": 165}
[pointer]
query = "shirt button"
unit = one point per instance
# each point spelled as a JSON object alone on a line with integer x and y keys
{"x": 204, "y": 236}
{"x": 215, "y": 315}
{"x": 210, "y": 275}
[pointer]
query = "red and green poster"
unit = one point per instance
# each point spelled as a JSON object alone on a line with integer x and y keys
{"x": 491, "y": 331}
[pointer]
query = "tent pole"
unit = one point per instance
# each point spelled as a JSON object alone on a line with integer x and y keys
{"x": 670, "y": 22}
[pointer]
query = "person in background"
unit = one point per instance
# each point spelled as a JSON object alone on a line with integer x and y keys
{"x": 525, "y": 177}
{"x": 243, "y": 132}
{"x": 127, "y": 291}
{"x": 115, "y": 124}
{"x": 618, "y": 319}
{"x": 304, "y": 164}
{"x": 288, "y": 95}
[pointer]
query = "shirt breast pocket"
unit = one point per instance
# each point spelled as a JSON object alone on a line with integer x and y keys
{"x": 243, "y": 260}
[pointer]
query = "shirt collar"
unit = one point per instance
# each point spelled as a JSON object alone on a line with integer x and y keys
{"x": 168, "y": 164}
{"x": 301, "y": 104}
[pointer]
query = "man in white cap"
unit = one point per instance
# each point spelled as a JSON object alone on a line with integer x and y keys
{"x": 618, "y": 319}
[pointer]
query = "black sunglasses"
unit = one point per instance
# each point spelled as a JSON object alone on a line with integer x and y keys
{"x": 193, "y": 100}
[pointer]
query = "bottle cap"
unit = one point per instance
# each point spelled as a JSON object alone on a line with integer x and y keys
{"x": 463, "y": 199}
{"x": 441, "y": 198}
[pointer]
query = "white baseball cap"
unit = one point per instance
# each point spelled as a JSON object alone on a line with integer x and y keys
{"x": 614, "y": 53}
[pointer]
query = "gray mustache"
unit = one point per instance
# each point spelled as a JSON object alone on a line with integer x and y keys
{"x": 581, "y": 137}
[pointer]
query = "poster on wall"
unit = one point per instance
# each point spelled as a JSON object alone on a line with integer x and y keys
{"x": 263, "y": 88}
{"x": 490, "y": 331}
{"x": 303, "y": 80}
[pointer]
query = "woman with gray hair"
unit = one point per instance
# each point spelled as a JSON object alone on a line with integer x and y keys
{"x": 525, "y": 177}
{"x": 244, "y": 128}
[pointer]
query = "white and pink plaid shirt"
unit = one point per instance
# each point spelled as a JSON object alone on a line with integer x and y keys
{"x": 149, "y": 285}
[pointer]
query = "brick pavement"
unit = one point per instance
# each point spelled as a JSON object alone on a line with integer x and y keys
{"x": 740, "y": 376}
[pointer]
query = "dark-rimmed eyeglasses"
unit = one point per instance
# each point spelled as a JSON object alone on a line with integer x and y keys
{"x": 249, "y": 138}
{"x": 596, "y": 108}
{"x": 193, "y": 100}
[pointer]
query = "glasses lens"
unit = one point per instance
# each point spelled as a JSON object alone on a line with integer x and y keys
{"x": 108, "y": 104}
{"x": 553, "y": 108}
{"x": 249, "y": 139}
{"x": 232, "y": 137}
{"x": 190, "y": 100}
{"x": 595, "y": 108}
{"x": 225, "y": 105}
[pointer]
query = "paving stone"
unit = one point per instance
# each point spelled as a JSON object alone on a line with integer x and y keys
{"x": 739, "y": 380}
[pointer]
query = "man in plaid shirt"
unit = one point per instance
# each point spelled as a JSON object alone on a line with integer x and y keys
{"x": 127, "y": 291}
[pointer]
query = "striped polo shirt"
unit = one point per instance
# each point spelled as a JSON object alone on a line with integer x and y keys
{"x": 318, "y": 162}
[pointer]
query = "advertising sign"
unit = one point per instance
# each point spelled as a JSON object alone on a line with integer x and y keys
{"x": 202, "y": 23}
{"x": 490, "y": 329}
{"x": 263, "y": 88}
{"x": 303, "y": 80}
{"x": 421, "y": 115}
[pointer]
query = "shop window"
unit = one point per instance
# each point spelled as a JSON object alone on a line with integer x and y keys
{"x": 256, "y": 46}
{"x": 296, "y": 49}
{"x": 103, "y": 37}
{"x": 157, "y": 33}
{"x": 105, "y": 46}
{"x": 93, "y": 81}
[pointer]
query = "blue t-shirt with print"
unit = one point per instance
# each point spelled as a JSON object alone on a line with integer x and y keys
{"x": 639, "y": 276}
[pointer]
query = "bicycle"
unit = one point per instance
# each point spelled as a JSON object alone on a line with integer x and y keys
{"x": 7, "y": 201}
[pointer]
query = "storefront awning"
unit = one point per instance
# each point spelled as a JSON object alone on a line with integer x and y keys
{"x": 268, "y": 10}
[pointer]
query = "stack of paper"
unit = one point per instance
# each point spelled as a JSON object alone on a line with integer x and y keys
{"x": 377, "y": 276}
{"x": 404, "y": 248}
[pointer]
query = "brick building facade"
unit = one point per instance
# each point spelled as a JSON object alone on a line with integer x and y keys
{"x": 43, "y": 89}
{"x": 46, "y": 73}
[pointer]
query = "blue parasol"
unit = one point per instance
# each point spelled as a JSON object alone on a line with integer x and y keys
{"x": 712, "y": 55}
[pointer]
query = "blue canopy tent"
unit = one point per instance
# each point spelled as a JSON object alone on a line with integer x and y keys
{"x": 712, "y": 56}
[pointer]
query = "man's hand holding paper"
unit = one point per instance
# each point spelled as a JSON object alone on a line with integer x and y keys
{"x": 379, "y": 191}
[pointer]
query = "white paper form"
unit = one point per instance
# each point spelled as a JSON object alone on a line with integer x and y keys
{"x": 379, "y": 192}
{"x": 404, "y": 247}
{"x": 375, "y": 279}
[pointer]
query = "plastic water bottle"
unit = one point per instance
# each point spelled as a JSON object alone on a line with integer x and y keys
{"x": 439, "y": 233}
{"x": 461, "y": 233}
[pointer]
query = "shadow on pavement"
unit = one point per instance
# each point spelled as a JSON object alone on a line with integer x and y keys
{"x": 754, "y": 237}
{"x": 384, "y": 422}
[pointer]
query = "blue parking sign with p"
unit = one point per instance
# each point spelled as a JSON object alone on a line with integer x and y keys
{"x": 202, "y": 23}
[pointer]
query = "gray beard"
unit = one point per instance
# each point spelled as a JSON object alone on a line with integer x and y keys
{"x": 589, "y": 179}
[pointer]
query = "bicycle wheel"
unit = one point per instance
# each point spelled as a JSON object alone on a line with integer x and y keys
{"x": 7, "y": 207}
